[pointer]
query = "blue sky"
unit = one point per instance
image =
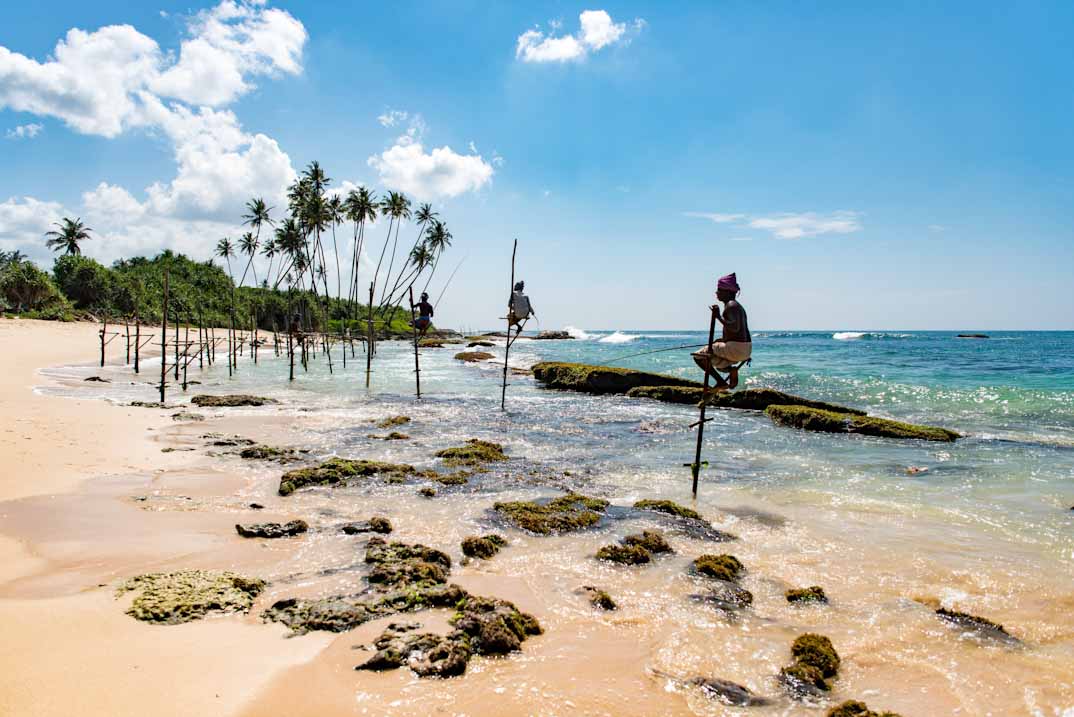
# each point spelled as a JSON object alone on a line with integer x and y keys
{"x": 858, "y": 167}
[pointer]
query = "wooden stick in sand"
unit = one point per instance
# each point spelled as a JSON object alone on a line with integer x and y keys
{"x": 164, "y": 340}
{"x": 369, "y": 339}
{"x": 695, "y": 467}
{"x": 414, "y": 323}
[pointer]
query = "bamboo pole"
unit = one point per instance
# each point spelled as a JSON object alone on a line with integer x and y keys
{"x": 414, "y": 323}
{"x": 127, "y": 329}
{"x": 695, "y": 468}
{"x": 164, "y": 340}
{"x": 104, "y": 328}
{"x": 177, "y": 345}
{"x": 137, "y": 339}
{"x": 231, "y": 324}
{"x": 507, "y": 347}
{"x": 369, "y": 339}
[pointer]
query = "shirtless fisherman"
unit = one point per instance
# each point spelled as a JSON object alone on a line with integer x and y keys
{"x": 734, "y": 346}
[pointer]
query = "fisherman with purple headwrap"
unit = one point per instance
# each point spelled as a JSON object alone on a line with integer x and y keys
{"x": 735, "y": 345}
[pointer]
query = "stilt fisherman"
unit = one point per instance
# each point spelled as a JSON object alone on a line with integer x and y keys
{"x": 734, "y": 346}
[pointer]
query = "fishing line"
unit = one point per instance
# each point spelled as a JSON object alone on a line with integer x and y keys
{"x": 657, "y": 351}
{"x": 448, "y": 283}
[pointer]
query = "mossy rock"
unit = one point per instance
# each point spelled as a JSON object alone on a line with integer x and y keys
{"x": 600, "y": 379}
{"x": 476, "y": 452}
{"x": 853, "y": 708}
{"x": 480, "y": 343}
{"x": 483, "y": 546}
{"x": 816, "y": 651}
{"x": 427, "y": 492}
{"x": 726, "y": 596}
{"x": 456, "y": 478}
{"x": 750, "y": 399}
{"x": 272, "y": 530}
{"x": 813, "y": 419}
{"x": 473, "y": 356}
{"x": 729, "y": 693}
{"x": 393, "y": 421}
{"x": 340, "y": 613}
{"x": 721, "y": 567}
{"x": 401, "y": 565}
{"x": 231, "y": 401}
{"x": 560, "y": 515}
{"x": 376, "y": 524}
{"x": 177, "y": 597}
{"x": 187, "y": 416}
{"x": 599, "y": 599}
{"x": 336, "y": 471}
{"x": 813, "y": 593}
{"x": 668, "y": 507}
{"x": 804, "y": 681}
{"x": 493, "y": 626}
{"x": 651, "y": 540}
{"x": 269, "y": 453}
{"x": 427, "y": 654}
{"x": 624, "y": 554}
{"x": 393, "y": 436}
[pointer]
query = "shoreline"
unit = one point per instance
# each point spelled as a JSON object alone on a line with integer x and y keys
{"x": 80, "y": 531}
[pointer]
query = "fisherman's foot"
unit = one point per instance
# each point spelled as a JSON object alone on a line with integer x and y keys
{"x": 732, "y": 378}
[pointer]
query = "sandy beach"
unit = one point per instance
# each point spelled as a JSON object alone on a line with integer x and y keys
{"x": 96, "y": 492}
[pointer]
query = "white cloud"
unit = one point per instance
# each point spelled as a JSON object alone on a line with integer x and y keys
{"x": 791, "y": 225}
{"x": 23, "y": 223}
{"x": 392, "y": 117}
{"x": 597, "y": 31}
{"x": 407, "y": 167}
{"x": 24, "y": 131}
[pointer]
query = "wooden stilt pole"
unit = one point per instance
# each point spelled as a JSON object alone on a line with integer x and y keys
{"x": 104, "y": 328}
{"x": 230, "y": 330}
{"x": 164, "y": 340}
{"x": 127, "y": 330}
{"x": 417, "y": 366}
{"x": 186, "y": 350}
{"x": 369, "y": 339}
{"x": 695, "y": 468}
{"x": 507, "y": 347}
{"x": 137, "y": 339}
{"x": 176, "y": 344}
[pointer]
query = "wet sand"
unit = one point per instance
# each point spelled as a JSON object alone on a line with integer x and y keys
{"x": 105, "y": 503}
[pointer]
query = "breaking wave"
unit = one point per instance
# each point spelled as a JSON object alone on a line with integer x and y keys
{"x": 617, "y": 338}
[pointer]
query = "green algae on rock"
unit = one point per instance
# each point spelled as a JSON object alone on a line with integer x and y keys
{"x": 813, "y": 593}
{"x": 456, "y": 478}
{"x": 272, "y": 530}
{"x": 483, "y": 546}
{"x": 813, "y": 419}
{"x": 493, "y": 626}
{"x": 231, "y": 401}
{"x": 816, "y": 651}
{"x": 427, "y": 654}
{"x": 726, "y": 596}
{"x": 803, "y": 681}
{"x": 376, "y": 524}
{"x": 721, "y": 567}
{"x": 476, "y": 452}
{"x": 340, "y": 613}
{"x": 853, "y": 708}
{"x": 270, "y": 453}
{"x": 600, "y": 379}
{"x": 185, "y": 595}
{"x": 980, "y": 626}
{"x": 393, "y": 436}
{"x": 427, "y": 492}
{"x": 669, "y": 507}
{"x": 393, "y": 421}
{"x": 336, "y": 471}
{"x": 651, "y": 540}
{"x": 559, "y": 515}
{"x": 624, "y": 554}
{"x": 598, "y": 598}
{"x": 750, "y": 399}
{"x": 473, "y": 356}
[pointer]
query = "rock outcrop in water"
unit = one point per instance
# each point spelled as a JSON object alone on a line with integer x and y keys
{"x": 624, "y": 554}
{"x": 473, "y": 356}
{"x": 730, "y": 693}
{"x": 815, "y": 663}
{"x": 853, "y": 708}
{"x": 813, "y": 593}
{"x": 813, "y": 419}
{"x": 689, "y": 520}
{"x": 271, "y": 453}
{"x": 560, "y": 515}
{"x": 392, "y": 421}
{"x": 726, "y": 596}
{"x": 975, "y": 625}
{"x": 598, "y": 598}
{"x": 272, "y": 530}
{"x": 231, "y": 401}
{"x": 376, "y": 524}
{"x": 600, "y": 379}
{"x": 337, "y": 471}
{"x": 722, "y": 567}
{"x": 475, "y": 453}
{"x": 482, "y": 546}
{"x": 750, "y": 399}
{"x": 185, "y": 595}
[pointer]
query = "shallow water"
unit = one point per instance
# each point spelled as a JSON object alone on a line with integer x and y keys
{"x": 986, "y": 529}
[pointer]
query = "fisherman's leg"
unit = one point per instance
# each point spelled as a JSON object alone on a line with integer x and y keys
{"x": 704, "y": 362}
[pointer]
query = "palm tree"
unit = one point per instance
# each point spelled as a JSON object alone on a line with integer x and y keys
{"x": 396, "y": 206}
{"x": 334, "y": 209}
{"x": 225, "y": 249}
{"x": 67, "y": 238}
{"x": 248, "y": 246}
{"x": 439, "y": 239}
{"x": 423, "y": 216}
{"x": 257, "y": 213}
{"x": 360, "y": 206}
{"x": 269, "y": 252}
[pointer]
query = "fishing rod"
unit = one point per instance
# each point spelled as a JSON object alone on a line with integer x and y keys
{"x": 448, "y": 283}
{"x": 656, "y": 351}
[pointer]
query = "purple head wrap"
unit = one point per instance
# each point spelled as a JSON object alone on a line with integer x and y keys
{"x": 729, "y": 282}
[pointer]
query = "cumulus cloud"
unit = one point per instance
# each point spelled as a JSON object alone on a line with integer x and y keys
{"x": 390, "y": 118}
{"x": 441, "y": 172}
{"x": 24, "y": 131}
{"x": 116, "y": 79}
{"x": 791, "y": 225}
{"x": 596, "y": 31}
{"x": 23, "y": 221}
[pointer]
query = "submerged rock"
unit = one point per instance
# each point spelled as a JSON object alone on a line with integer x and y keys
{"x": 345, "y": 612}
{"x": 336, "y": 471}
{"x": 393, "y": 436}
{"x": 376, "y": 524}
{"x": 651, "y": 540}
{"x": 393, "y": 421}
{"x": 726, "y": 596}
{"x": 624, "y": 554}
{"x": 456, "y": 478}
{"x": 721, "y": 567}
{"x": 473, "y": 356}
{"x": 803, "y": 681}
{"x": 484, "y": 546}
{"x": 185, "y": 595}
{"x": 600, "y": 379}
{"x": 669, "y": 507}
{"x": 480, "y": 344}
{"x": 813, "y": 419}
{"x": 552, "y": 336}
{"x": 401, "y": 564}
{"x": 813, "y": 593}
{"x": 427, "y": 654}
{"x": 493, "y": 626}
{"x": 269, "y": 453}
{"x": 272, "y": 530}
{"x": 853, "y": 708}
{"x": 750, "y": 399}
{"x": 729, "y": 693}
{"x": 817, "y": 651}
{"x": 187, "y": 416}
{"x": 476, "y": 452}
{"x": 979, "y": 626}
{"x": 97, "y": 379}
{"x": 559, "y": 515}
{"x": 599, "y": 599}
{"x": 427, "y": 492}
{"x": 231, "y": 401}
{"x": 690, "y": 521}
